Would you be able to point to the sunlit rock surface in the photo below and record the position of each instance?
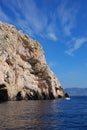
(24, 73)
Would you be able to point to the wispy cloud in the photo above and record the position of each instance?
(52, 29)
(3, 16)
(76, 45)
(67, 16)
(52, 36)
(36, 22)
(26, 14)
(34, 16)
(30, 18)
(52, 64)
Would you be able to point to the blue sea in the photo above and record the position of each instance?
(44, 115)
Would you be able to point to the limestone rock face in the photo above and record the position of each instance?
(23, 69)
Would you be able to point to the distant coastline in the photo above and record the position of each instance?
(76, 91)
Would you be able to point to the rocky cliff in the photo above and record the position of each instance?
(24, 73)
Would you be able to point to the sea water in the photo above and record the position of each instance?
(44, 115)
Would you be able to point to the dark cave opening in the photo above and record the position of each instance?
(2, 86)
(3, 95)
(19, 96)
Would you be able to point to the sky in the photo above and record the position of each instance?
(60, 26)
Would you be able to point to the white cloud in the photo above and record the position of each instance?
(70, 52)
(33, 15)
(27, 14)
(52, 64)
(51, 31)
(52, 36)
(3, 16)
(31, 19)
(77, 44)
(36, 22)
(67, 16)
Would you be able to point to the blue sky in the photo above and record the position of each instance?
(61, 28)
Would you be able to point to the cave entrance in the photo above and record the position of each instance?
(3, 93)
